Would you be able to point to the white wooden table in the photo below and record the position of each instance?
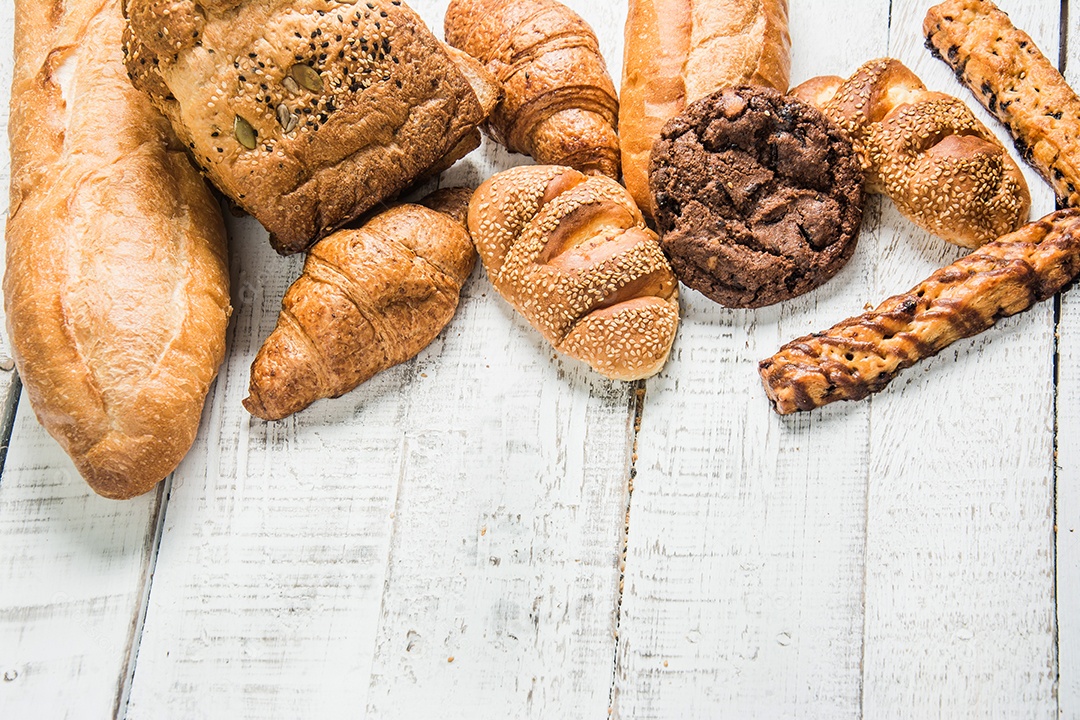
(491, 531)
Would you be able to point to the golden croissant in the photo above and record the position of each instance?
(560, 104)
(367, 300)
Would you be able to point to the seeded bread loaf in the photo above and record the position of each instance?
(116, 290)
(861, 355)
(1004, 69)
(572, 254)
(306, 114)
(679, 51)
(944, 169)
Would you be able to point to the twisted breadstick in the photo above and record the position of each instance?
(1014, 81)
(861, 355)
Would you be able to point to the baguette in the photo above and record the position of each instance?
(679, 51)
(116, 287)
(861, 355)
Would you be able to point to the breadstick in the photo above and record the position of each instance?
(1016, 83)
(861, 355)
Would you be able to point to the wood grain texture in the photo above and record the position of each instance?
(73, 569)
(274, 543)
(502, 581)
(743, 588)
(9, 385)
(1067, 516)
(959, 555)
(445, 541)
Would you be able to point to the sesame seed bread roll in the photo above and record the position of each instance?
(307, 113)
(116, 289)
(927, 151)
(1004, 69)
(863, 354)
(572, 254)
(679, 51)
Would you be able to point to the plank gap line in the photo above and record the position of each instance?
(637, 408)
(7, 416)
(1063, 62)
(138, 622)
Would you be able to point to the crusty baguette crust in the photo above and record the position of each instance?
(116, 288)
(861, 355)
(572, 254)
(1014, 81)
(944, 169)
(368, 299)
(679, 51)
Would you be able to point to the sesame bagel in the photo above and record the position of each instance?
(572, 254)
(944, 169)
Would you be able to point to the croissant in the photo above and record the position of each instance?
(927, 151)
(560, 105)
(861, 355)
(367, 300)
(572, 254)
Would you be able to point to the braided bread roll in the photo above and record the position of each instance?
(367, 300)
(572, 254)
(944, 169)
(560, 104)
(861, 355)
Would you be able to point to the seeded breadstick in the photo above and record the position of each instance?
(861, 355)
(1015, 82)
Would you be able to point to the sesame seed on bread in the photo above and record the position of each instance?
(305, 114)
(573, 255)
(943, 168)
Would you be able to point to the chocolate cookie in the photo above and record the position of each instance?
(759, 196)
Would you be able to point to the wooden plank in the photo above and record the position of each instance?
(743, 588)
(483, 459)
(502, 586)
(274, 543)
(959, 558)
(73, 570)
(1067, 518)
(9, 385)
